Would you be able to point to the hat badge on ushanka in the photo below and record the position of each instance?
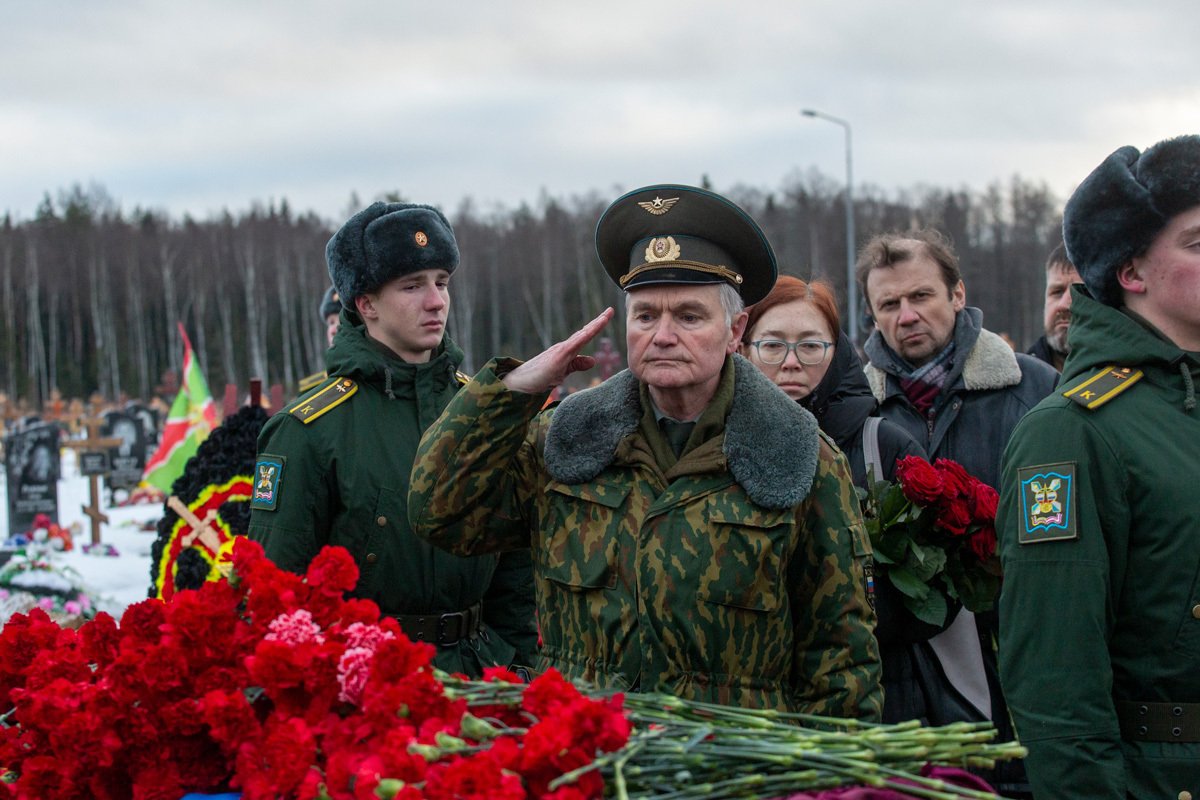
(386, 241)
(675, 234)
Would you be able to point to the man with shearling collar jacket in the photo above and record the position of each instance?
(692, 530)
(959, 390)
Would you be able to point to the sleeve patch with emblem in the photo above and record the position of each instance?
(268, 473)
(1047, 503)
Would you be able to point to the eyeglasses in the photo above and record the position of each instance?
(808, 351)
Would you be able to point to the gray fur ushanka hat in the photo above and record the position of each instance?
(386, 241)
(1120, 208)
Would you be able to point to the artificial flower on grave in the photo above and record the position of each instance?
(934, 532)
(31, 578)
(274, 685)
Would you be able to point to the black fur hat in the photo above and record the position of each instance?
(386, 241)
(331, 303)
(1122, 206)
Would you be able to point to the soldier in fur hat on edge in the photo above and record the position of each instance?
(1098, 527)
(333, 468)
(693, 531)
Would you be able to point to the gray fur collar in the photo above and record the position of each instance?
(771, 442)
(991, 364)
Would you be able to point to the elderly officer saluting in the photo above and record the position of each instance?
(1099, 531)
(693, 532)
(333, 469)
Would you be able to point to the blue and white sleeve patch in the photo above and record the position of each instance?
(268, 475)
(1047, 503)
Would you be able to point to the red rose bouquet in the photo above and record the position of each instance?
(935, 532)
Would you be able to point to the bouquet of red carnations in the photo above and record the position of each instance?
(935, 532)
(274, 685)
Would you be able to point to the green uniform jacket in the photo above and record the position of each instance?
(736, 575)
(1112, 614)
(343, 482)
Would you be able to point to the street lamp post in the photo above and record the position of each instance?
(851, 285)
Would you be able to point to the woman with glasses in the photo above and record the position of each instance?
(794, 335)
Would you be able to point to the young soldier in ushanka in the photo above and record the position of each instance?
(333, 468)
(1098, 524)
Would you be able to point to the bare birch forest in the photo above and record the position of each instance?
(90, 295)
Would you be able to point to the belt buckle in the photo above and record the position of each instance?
(442, 638)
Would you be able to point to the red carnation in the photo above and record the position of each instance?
(920, 482)
(332, 571)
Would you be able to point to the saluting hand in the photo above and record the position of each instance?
(551, 367)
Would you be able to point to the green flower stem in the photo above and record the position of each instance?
(686, 750)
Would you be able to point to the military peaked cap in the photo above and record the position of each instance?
(683, 234)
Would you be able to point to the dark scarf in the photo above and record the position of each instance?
(922, 385)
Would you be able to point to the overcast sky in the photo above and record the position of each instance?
(202, 106)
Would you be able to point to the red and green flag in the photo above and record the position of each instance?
(192, 417)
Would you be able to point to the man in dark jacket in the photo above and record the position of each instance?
(959, 390)
(333, 468)
(1052, 346)
(1098, 527)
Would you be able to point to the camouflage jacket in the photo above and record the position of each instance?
(341, 481)
(738, 575)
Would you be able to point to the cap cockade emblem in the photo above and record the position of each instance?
(421, 238)
(658, 206)
(662, 248)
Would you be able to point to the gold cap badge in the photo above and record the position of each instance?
(421, 238)
(662, 248)
(658, 206)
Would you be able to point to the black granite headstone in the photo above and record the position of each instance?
(127, 461)
(31, 464)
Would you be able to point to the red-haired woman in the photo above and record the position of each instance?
(794, 335)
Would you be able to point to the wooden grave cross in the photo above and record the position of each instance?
(92, 443)
(200, 528)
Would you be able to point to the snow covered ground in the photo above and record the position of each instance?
(115, 581)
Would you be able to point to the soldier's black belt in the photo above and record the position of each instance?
(1159, 722)
(442, 629)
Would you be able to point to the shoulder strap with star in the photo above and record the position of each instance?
(335, 392)
(1103, 386)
